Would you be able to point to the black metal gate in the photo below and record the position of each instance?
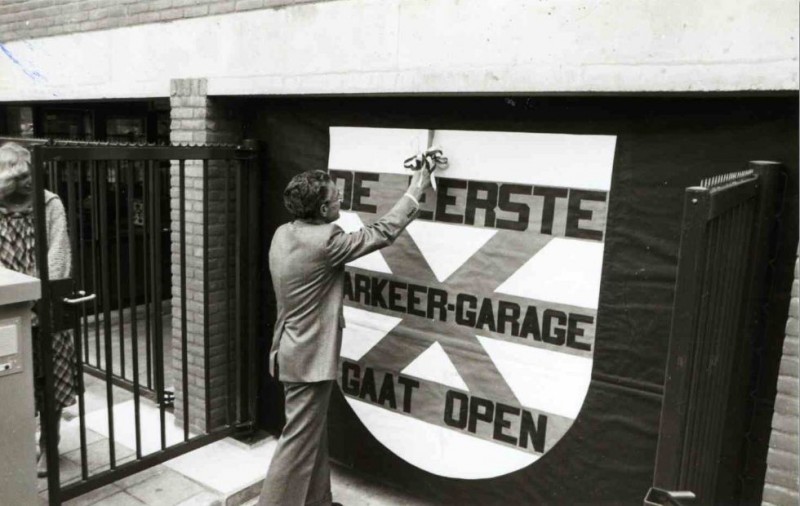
(725, 238)
(150, 227)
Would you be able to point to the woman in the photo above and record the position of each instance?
(17, 252)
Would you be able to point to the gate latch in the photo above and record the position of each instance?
(660, 497)
(82, 297)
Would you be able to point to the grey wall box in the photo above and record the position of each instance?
(17, 425)
(10, 346)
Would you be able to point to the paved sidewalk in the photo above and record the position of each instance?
(226, 472)
(161, 485)
(164, 487)
(157, 486)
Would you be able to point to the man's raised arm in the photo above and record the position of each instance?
(344, 247)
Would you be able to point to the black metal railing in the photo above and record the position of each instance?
(152, 227)
(724, 235)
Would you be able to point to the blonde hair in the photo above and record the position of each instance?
(14, 158)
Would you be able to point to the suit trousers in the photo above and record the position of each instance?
(300, 473)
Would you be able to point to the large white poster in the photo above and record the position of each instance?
(469, 342)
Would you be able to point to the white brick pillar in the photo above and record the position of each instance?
(782, 481)
(198, 119)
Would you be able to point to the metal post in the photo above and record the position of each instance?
(749, 361)
(691, 266)
(184, 333)
(105, 282)
(230, 370)
(130, 183)
(79, 263)
(47, 415)
(206, 289)
(77, 267)
(242, 377)
(96, 271)
(147, 266)
(118, 235)
(254, 280)
(158, 334)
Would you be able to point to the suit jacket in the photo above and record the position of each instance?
(307, 262)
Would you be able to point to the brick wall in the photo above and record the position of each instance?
(199, 119)
(27, 19)
(782, 481)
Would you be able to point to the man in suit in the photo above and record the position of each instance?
(306, 260)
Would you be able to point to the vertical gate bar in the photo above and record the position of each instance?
(106, 273)
(734, 321)
(253, 185)
(82, 256)
(727, 471)
(51, 178)
(230, 370)
(157, 302)
(729, 320)
(758, 279)
(716, 400)
(132, 285)
(47, 414)
(184, 334)
(147, 174)
(695, 420)
(737, 320)
(72, 218)
(700, 351)
(245, 285)
(678, 367)
(240, 358)
(695, 356)
(710, 372)
(714, 355)
(120, 305)
(705, 472)
(206, 314)
(151, 278)
(96, 260)
(72, 210)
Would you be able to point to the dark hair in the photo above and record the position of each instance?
(305, 193)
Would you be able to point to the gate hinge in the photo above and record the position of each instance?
(168, 397)
(660, 497)
(244, 427)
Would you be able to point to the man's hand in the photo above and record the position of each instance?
(421, 179)
(423, 165)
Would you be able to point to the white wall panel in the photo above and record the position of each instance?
(424, 46)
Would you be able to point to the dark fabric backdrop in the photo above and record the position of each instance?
(664, 144)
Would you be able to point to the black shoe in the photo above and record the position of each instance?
(336, 504)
